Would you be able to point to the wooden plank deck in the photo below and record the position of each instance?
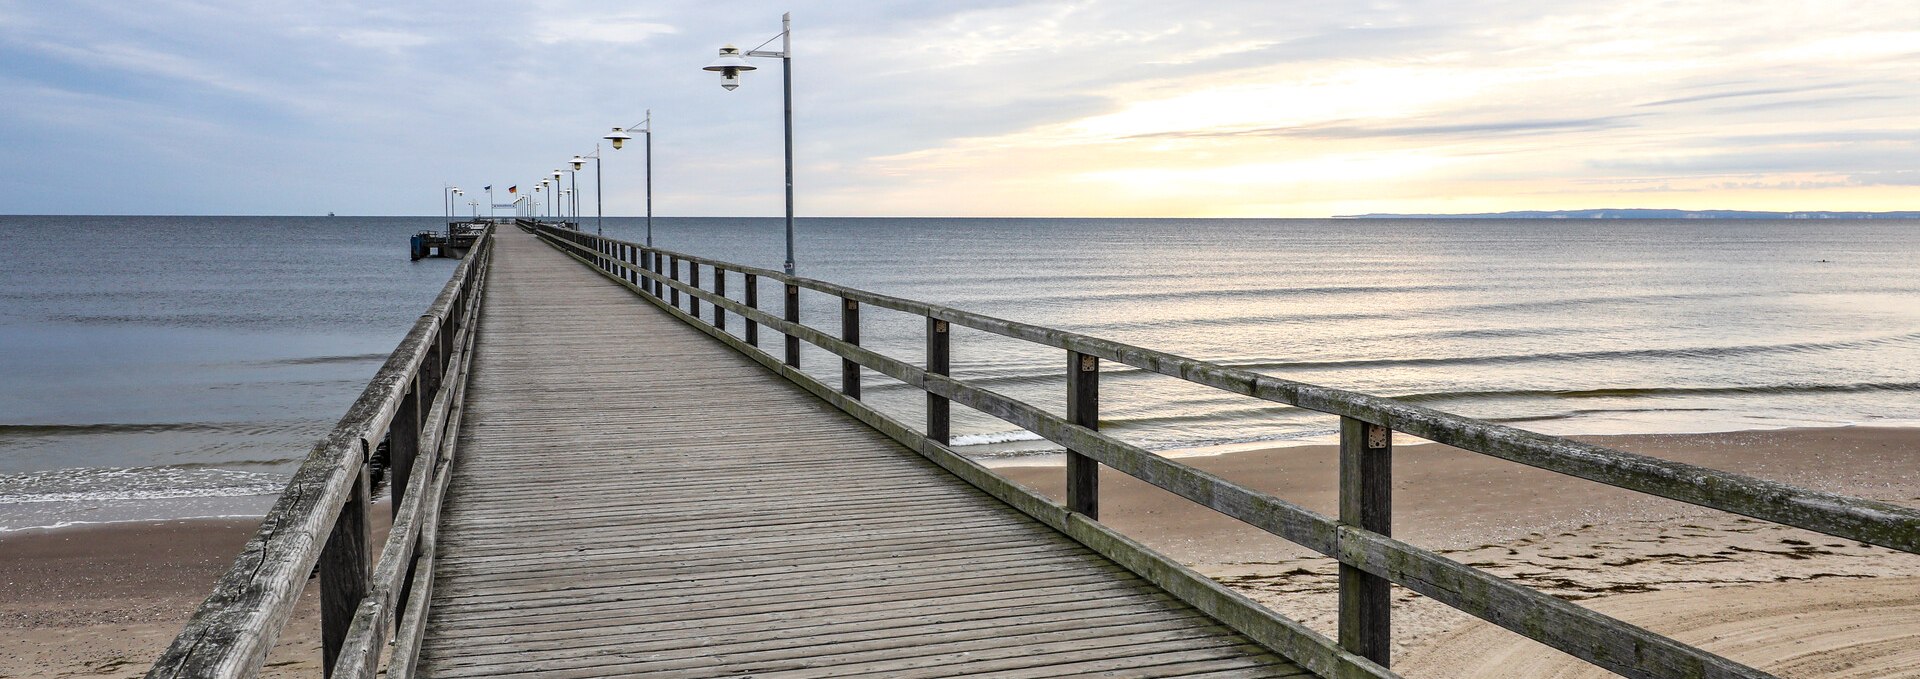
(634, 498)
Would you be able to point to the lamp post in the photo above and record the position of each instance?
(447, 192)
(573, 195)
(619, 137)
(732, 62)
(580, 162)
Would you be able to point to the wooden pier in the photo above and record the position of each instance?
(598, 472)
(608, 515)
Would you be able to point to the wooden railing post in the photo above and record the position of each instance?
(656, 272)
(429, 375)
(850, 333)
(443, 342)
(403, 448)
(939, 424)
(719, 288)
(1366, 502)
(626, 257)
(752, 300)
(793, 316)
(693, 279)
(403, 442)
(646, 264)
(344, 570)
(1083, 408)
(673, 273)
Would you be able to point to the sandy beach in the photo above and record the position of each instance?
(102, 601)
(1793, 602)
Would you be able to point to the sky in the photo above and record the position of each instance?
(1142, 108)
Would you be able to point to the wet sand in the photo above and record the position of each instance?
(102, 601)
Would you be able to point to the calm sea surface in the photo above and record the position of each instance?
(181, 366)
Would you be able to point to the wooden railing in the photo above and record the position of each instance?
(414, 404)
(1370, 559)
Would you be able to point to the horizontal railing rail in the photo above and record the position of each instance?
(321, 517)
(1358, 538)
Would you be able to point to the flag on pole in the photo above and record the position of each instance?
(488, 187)
(513, 189)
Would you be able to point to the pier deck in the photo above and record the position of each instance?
(633, 497)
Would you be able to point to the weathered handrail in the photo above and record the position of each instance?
(321, 516)
(1369, 558)
(405, 572)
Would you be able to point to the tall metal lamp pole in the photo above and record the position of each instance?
(732, 62)
(580, 162)
(446, 196)
(619, 138)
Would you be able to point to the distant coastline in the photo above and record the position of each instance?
(1644, 213)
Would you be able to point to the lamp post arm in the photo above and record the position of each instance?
(785, 37)
(645, 126)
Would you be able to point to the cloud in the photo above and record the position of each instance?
(1807, 104)
(1760, 92)
(925, 107)
(386, 39)
(1887, 178)
(1782, 185)
(1839, 159)
(1347, 130)
(598, 29)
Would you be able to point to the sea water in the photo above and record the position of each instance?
(182, 366)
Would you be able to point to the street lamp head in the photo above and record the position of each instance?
(730, 65)
(556, 176)
(618, 136)
(578, 162)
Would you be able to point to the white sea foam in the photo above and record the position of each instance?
(96, 484)
(996, 437)
(57, 525)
